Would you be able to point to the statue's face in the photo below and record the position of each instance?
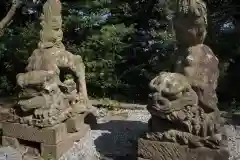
(171, 96)
(160, 103)
(190, 30)
(162, 107)
(170, 87)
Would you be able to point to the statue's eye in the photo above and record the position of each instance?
(160, 102)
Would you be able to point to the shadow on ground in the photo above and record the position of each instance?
(117, 139)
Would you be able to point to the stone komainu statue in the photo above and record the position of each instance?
(186, 101)
(53, 110)
(196, 61)
(53, 88)
(185, 121)
(180, 128)
(177, 116)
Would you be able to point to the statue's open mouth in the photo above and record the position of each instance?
(161, 111)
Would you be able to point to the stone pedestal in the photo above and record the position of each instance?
(156, 150)
(4, 115)
(52, 142)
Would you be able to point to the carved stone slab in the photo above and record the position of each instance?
(52, 142)
(51, 135)
(59, 149)
(156, 150)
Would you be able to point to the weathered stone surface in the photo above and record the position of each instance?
(177, 115)
(53, 91)
(196, 61)
(53, 87)
(76, 123)
(156, 150)
(56, 151)
(200, 66)
(190, 22)
(53, 144)
(4, 114)
(51, 135)
(183, 105)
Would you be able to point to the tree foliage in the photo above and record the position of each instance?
(124, 43)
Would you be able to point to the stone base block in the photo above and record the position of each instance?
(155, 150)
(76, 123)
(56, 151)
(52, 142)
(4, 115)
(50, 135)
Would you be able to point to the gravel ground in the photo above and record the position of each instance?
(8, 153)
(82, 150)
(233, 141)
(116, 135)
(113, 139)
